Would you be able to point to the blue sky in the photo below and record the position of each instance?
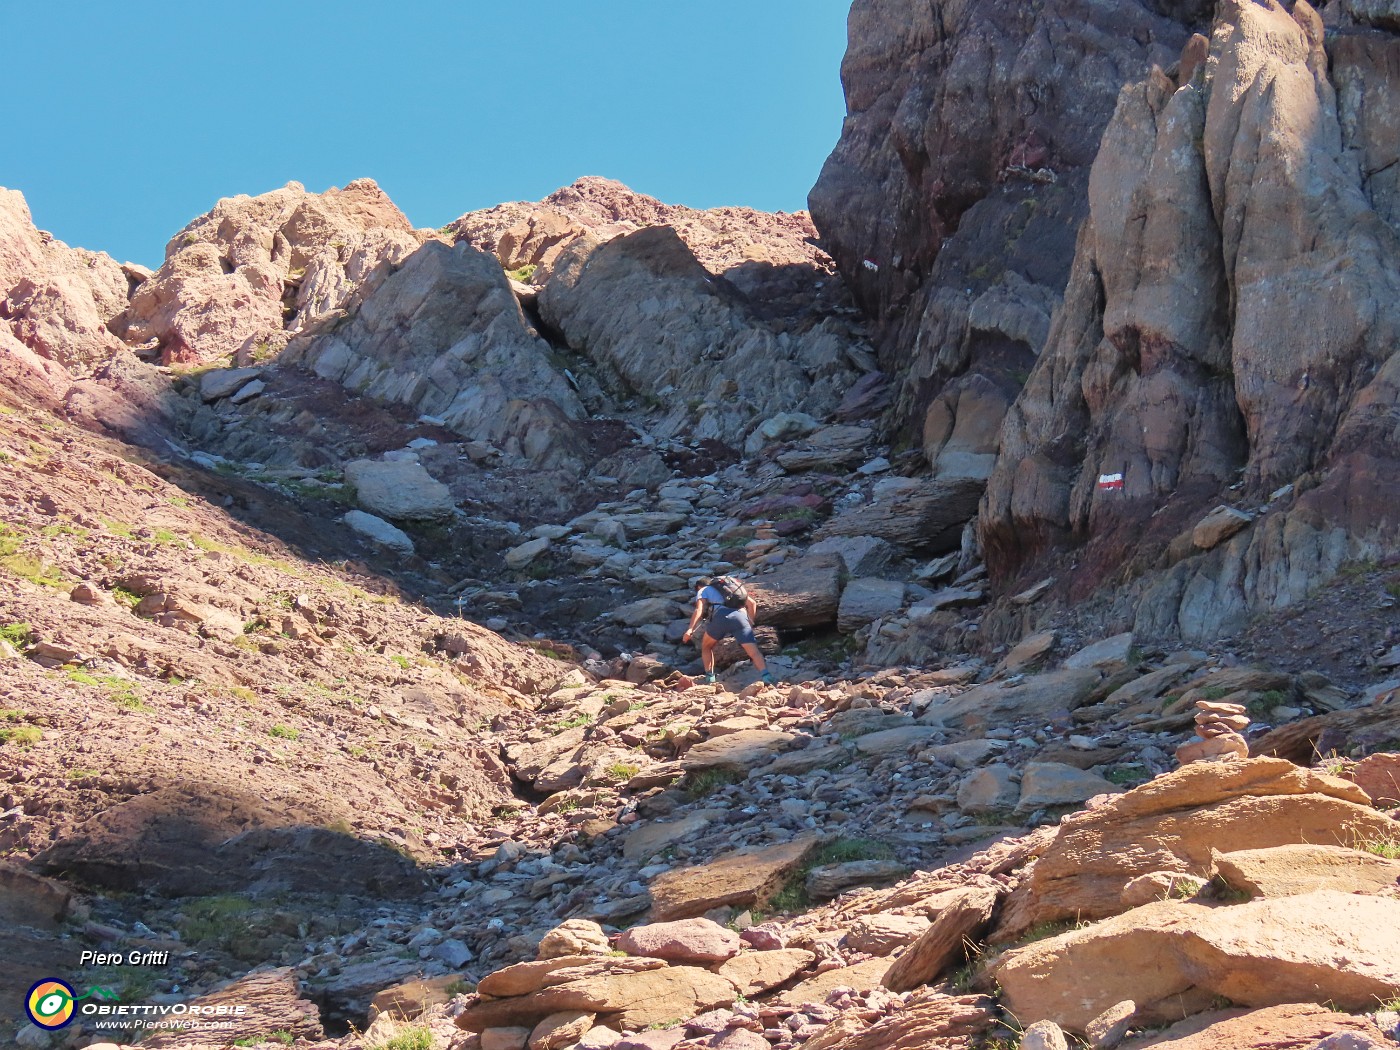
(125, 121)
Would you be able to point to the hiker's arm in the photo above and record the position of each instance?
(751, 607)
(694, 619)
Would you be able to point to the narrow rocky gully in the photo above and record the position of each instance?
(345, 568)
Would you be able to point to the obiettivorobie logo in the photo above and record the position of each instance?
(51, 1002)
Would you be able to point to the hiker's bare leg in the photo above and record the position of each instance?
(760, 665)
(707, 653)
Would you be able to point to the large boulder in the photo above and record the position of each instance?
(399, 490)
(866, 600)
(443, 333)
(926, 518)
(805, 592)
(1173, 824)
(862, 555)
(1258, 954)
(698, 941)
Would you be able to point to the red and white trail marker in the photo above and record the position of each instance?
(1110, 482)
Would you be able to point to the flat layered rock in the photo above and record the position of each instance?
(754, 973)
(627, 998)
(219, 383)
(883, 934)
(862, 977)
(1058, 784)
(1272, 1028)
(524, 978)
(1286, 871)
(647, 839)
(739, 752)
(1218, 526)
(272, 1001)
(829, 880)
(1108, 651)
(929, 1022)
(894, 741)
(1262, 953)
(813, 756)
(962, 915)
(1029, 651)
(801, 593)
(928, 516)
(1173, 824)
(1040, 696)
(743, 879)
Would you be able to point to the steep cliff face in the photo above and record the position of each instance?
(1223, 326)
(950, 202)
(1230, 323)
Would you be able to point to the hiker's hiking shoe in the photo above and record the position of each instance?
(767, 677)
(710, 678)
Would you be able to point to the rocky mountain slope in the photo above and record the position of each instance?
(344, 568)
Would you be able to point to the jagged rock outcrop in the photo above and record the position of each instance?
(1185, 355)
(950, 202)
(658, 325)
(443, 333)
(741, 244)
(56, 300)
(238, 277)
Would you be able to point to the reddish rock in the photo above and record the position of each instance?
(754, 973)
(959, 918)
(743, 878)
(685, 941)
(1172, 824)
(1263, 953)
(1274, 1027)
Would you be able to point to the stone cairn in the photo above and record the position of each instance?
(1219, 728)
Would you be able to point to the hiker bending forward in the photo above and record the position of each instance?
(731, 612)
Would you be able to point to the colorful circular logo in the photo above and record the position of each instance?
(50, 1003)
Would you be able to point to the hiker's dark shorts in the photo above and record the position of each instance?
(731, 623)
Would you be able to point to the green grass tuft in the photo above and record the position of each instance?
(417, 1038)
(20, 635)
(21, 736)
(575, 721)
(708, 781)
